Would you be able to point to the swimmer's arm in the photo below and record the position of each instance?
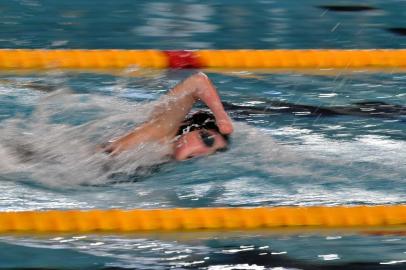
(167, 117)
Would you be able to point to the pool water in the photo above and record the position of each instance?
(277, 159)
(51, 124)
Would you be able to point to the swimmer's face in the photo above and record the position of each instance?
(198, 143)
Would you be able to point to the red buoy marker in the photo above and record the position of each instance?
(183, 59)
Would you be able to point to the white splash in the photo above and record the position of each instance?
(57, 147)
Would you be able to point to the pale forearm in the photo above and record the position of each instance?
(165, 120)
(176, 104)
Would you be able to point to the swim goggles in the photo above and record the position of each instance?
(206, 137)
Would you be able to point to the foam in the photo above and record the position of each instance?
(54, 150)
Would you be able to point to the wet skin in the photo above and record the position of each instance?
(198, 143)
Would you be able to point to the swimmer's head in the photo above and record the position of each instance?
(199, 135)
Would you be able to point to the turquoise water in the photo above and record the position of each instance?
(190, 24)
(275, 159)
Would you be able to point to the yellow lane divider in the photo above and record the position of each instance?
(187, 219)
(281, 59)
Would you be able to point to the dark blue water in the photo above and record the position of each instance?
(193, 25)
(275, 159)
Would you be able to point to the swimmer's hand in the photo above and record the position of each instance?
(225, 126)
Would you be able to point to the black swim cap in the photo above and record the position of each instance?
(200, 120)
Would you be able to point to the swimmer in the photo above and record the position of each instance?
(190, 135)
(204, 133)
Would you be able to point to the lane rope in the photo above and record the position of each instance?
(290, 59)
(190, 219)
